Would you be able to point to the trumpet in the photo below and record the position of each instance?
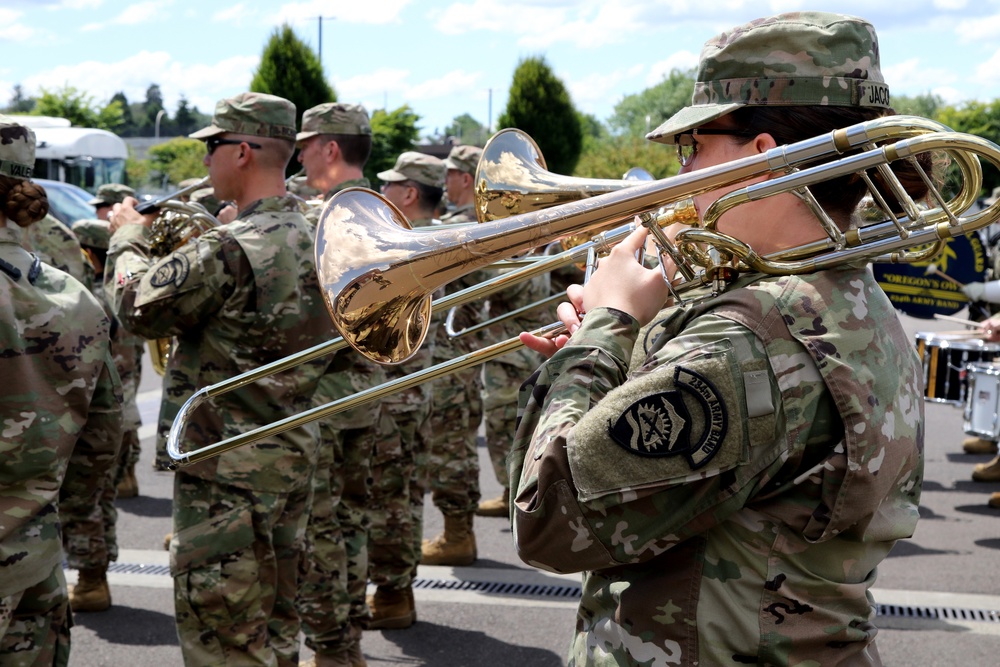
(377, 278)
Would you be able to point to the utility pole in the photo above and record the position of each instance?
(319, 22)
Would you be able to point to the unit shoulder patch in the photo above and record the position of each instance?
(174, 271)
(660, 424)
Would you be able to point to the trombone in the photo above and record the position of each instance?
(377, 278)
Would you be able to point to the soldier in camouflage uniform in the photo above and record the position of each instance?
(236, 297)
(414, 186)
(56, 245)
(89, 533)
(452, 468)
(729, 484)
(107, 196)
(60, 423)
(334, 145)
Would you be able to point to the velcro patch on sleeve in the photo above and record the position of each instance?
(683, 420)
(180, 272)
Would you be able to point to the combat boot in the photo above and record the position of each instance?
(976, 445)
(391, 608)
(495, 506)
(129, 486)
(166, 541)
(91, 592)
(455, 546)
(987, 472)
(355, 656)
(334, 659)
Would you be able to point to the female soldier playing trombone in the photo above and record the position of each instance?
(729, 483)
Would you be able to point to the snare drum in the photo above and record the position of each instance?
(944, 357)
(982, 407)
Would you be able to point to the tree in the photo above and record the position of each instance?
(288, 68)
(981, 119)
(467, 131)
(178, 158)
(927, 105)
(78, 108)
(128, 128)
(392, 133)
(639, 113)
(184, 120)
(612, 156)
(151, 109)
(19, 102)
(539, 104)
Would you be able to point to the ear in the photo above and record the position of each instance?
(332, 151)
(764, 142)
(244, 156)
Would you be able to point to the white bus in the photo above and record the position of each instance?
(85, 157)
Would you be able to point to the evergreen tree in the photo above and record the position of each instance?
(178, 158)
(151, 109)
(392, 133)
(539, 104)
(288, 68)
(128, 128)
(184, 121)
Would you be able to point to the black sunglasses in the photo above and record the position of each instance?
(214, 142)
(687, 146)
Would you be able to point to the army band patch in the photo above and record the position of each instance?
(661, 425)
(174, 271)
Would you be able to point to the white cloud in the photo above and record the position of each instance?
(596, 88)
(237, 14)
(680, 60)
(372, 84)
(988, 72)
(912, 77)
(371, 12)
(202, 84)
(11, 29)
(141, 12)
(984, 29)
(79, 4)
(456, 82)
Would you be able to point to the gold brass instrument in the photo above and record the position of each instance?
(377, 277)
(178, 222)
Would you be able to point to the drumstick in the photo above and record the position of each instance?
(959, 320)
(933, 269)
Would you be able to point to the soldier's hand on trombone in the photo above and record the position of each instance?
(125, 214)
(620, 282)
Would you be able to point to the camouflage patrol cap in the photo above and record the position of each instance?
(93, 233)
(254, 114)
(206, 197)
(111, 193)
(464, 158)
(793, 59)
(334, 118)
(17, 149)
(419, 167)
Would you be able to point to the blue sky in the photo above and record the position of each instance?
(449, 57)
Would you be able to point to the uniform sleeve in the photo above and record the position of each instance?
(160, 297)
(613, 469)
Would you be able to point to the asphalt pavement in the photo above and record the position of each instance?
(938, 593)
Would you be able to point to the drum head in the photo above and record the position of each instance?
(920, 291)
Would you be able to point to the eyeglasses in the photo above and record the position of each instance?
(687, 145)
(214, 142)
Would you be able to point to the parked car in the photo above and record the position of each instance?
(67, 201)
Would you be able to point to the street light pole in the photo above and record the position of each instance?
(159, 115)
(319, 22)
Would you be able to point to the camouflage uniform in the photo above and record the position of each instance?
(60, 428)
(729, 488)
(334, 579)
(239, 296)
(90, 538)
(57, 245)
